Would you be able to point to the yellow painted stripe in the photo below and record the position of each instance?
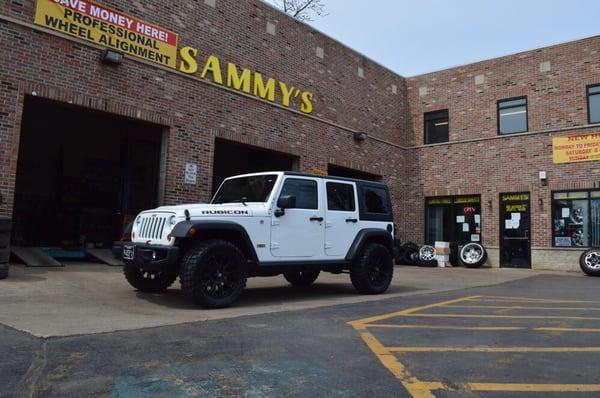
(531, 299)
(519, 307)
(415, 387)
(408, 311)
(442, 327)
(511, 387)
(493, 349)
(582, 330)
(584, 318)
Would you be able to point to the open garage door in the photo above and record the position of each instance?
(232, 158)
(339, 171)
(81, 175)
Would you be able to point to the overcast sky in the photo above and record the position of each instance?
(419, 36)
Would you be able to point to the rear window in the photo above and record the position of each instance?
(375, 200)
(340, 197)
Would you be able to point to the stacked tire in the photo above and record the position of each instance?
(5, 227)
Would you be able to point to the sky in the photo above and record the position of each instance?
(420, 36)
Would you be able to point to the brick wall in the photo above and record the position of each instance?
(477, 160)
(195, 113)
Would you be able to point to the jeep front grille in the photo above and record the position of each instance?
(152, 227)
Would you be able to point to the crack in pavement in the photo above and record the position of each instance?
(25, 388)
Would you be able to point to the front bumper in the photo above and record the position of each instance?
(150, 257)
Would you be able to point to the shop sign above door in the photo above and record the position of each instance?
(101, 25)
(576, 148)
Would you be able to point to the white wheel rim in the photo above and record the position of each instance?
(471, 254)
(592, 260)
(427, 253)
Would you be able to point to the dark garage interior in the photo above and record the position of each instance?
(232, 158)
(81, 175)
(339, 171)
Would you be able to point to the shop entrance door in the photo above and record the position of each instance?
(515, 230)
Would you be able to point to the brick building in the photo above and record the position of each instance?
(213, 88)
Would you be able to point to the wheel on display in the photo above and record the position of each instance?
(409, 254)
(427, 256)
(214, 273)
(472, 255)
(589, 261)
(373, 270)
(301, 278)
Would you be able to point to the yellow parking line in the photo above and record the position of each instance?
(512, 387)
(443, 327)
(584, 318)
(407, 311)
(493, 349)
(530, 299)
(583, 330)
(520, 307)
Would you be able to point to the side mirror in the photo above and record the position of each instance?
(285, 202)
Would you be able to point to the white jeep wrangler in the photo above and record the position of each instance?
(265, 224)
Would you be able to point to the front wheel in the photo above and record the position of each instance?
(301, 278)
(590, 262)
(373, 270)
(214, 273)
(148, 281)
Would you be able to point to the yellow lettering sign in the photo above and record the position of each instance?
(576, 148)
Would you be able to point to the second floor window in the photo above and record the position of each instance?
(436, 127)
(593, 94)
(512, 116)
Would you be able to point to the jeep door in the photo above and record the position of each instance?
(341, 217)
(299, 232)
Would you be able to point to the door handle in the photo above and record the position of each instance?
(354, 220)
(319, 219)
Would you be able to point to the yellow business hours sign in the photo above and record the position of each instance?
(576, 148)
(106, 27)
(109, 28)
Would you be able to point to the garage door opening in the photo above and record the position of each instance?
(232, 158)
(82, 175)
(339, 171)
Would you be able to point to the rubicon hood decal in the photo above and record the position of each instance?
(225, 212)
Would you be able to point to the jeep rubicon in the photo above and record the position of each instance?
(265, 224)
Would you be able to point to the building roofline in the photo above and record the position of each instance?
(513, 54)
(346, 46)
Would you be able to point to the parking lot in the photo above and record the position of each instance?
(439, 333)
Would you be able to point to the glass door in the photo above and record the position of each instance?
(515, 230)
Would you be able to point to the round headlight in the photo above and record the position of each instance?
(138, 221)
(172, 221)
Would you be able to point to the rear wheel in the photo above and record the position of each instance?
(373, 270)
(590, 262)
(301, 278)
(214, 273)
(148, 281)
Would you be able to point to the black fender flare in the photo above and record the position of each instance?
(364, 235)
(182, 230)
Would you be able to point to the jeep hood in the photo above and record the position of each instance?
(213, 210)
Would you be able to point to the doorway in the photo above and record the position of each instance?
(340, 171)
(515, 230)
(82, 175)
(232, 158)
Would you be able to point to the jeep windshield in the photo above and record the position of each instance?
(246, 189)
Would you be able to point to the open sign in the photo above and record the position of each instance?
(469, 209)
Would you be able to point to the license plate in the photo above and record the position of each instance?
(128, 253)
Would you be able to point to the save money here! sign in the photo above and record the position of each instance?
(109, 28)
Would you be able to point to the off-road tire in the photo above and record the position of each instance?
(589, 261)
(4, 255)
(210, 266)
(147, 281)
(472, 262)
(5, 224)
(372, 271)
(301, 278)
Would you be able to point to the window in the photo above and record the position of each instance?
(576, 218)
(436, 127)
(512, 116)
(305, 192)
(375, 200)
(340, 197)
(593, 95)
(454, 219)
(246, 189)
